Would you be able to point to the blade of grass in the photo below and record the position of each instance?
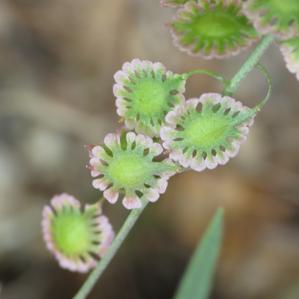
(198, 278)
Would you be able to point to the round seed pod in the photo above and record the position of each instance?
(280, 17)
(77, 238)
(212, 29)
(126, 166)
(145, 93)
(206, 131)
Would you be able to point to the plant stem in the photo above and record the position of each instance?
(260, 105)
(104, 262)
(205, 72)
(249, 64)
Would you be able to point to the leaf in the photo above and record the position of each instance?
(198, 278)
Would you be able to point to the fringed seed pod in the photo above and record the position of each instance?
(212, 29)
(126, 165)
(76, 238)
(145, 93)
(280, 17)
(206, 131)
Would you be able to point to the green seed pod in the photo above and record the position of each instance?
(212, 29)
(75, 237)
(280, 17)
(145, 93)
(206, 131)
(126, 166)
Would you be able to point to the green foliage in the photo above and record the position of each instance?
(197, 281)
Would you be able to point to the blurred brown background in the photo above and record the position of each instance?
(57, 60)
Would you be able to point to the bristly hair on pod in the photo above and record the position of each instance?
(279, 17)
(127, 165)
(206, 131)
(77, 238)
(174, 3)
(290, 52)
(212, 29)
(145, 93)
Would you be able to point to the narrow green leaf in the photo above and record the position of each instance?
(198, 278)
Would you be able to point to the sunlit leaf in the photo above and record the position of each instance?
(198, 278)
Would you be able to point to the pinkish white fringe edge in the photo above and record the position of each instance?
(97, 154)
(291, 62)
(168, 133)
(65, 262)
(214, 54)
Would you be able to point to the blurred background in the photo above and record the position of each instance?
(57, 60)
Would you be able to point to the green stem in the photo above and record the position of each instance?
(205, 72)
(249, 64)
(104, 262)
(260, 105)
